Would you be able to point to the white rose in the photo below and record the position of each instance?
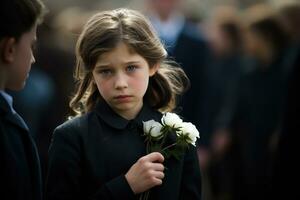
(171, 120)
(191, 131)
(152, 127)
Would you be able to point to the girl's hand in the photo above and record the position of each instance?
(146, 173)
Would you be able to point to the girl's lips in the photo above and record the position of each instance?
(123, 98)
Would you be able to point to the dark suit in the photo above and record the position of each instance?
(20, 174)
(256, 119)
(286, 164)
(90, 155)
(191, 52)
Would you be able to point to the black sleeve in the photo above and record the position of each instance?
(4, 177)
(191, 176)
(64, 177)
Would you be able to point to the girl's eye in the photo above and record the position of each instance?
(105, 72)
(131, 68)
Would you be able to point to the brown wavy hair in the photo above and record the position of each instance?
(102, 33)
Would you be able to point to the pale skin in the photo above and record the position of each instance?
(16, 60)
(122, 77)
(146, 173)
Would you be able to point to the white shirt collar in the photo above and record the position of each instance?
(168, 29)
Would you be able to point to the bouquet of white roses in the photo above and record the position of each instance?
(170, 137)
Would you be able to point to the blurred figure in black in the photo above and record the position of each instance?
(185, 45)
(223, 76)
(188, 47)
(290, 14)
(261, 96)
(286, 162)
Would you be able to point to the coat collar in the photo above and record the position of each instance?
(114, 120)
(8, 114)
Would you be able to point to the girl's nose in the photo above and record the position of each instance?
(121, 82)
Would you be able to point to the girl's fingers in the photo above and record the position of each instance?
(155, 157)
(157, 167)
(159, 175)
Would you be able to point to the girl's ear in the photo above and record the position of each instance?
(93, 80)
(8, 46)
(153, 69)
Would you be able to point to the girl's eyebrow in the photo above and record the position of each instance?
(102, 65)
(132, 62)
(105, 65)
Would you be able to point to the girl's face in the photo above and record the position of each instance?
(122, 77)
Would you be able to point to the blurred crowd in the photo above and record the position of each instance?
(243, 64)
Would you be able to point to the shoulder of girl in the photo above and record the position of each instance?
(74, 124)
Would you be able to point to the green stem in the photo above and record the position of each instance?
(147, 147)
(165, 133)
(167, 147)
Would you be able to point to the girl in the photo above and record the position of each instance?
(123, 80)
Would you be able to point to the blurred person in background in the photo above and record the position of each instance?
(20, 173)
(290, 15)
(187, 46)
(286, 161)
(225, 39)
(258, 111)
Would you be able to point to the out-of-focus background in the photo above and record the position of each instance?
(239, 55)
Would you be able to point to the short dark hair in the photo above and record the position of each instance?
(272, 31)
(19, 16)
(233, 33)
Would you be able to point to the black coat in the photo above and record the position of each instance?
(20, 174)
(90, 155)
